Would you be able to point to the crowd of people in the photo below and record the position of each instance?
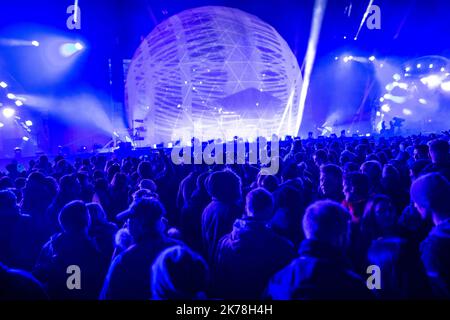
(119, 227)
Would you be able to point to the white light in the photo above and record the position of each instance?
(432, 81)
(422, 101)
(431, 66)
(442, 69)
(372, 58)
(336, 58)
(381, 65)
(170, 145)
(403, 85)
(419, 66)
(29, 123)
(396, 77)
(367, 134)
(381, 99)
(445, 86)
(345, 59)
(350, 58)
(345, 37)
(407, 112)
(407, 69)
(3, 84)
(1, 125)
(11, 96)
(387, 96)
(35, 43)
(385, 108)
(19, 103)
(378, 114)
(79, 46)
(8, 112)
(25, 138)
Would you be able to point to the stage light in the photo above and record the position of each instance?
(381, 65)
(407, 69)
(432, 81)
(385, 108)
(19, 103)
(381, 99)
(3, 84)
(1, 125)
(29, 123)
(442, 69)
(345, 37)
(422, 101)
(35, 43)
(170, 145)
(69, 49)
(431, 66)
(336, 58)
(372, 58)
(11, 96)
(407, 112)
(345, 59)
(403, 85)
(79, 46)
(378, 114)
(25, 139)
(396, 77)
(419, 66)
(445, 86)
(8, 112)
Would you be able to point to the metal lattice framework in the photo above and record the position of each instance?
(213, 72)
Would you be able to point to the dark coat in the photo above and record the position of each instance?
(320, 272)
(247, 258)
(435, 251)
(129, 275)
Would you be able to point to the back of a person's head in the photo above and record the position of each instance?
(321, 155)
(431, 193)
(96, 212)
(287, 196)
(331, 170)
(224, 186)
(69, 184)
(259, 204)
(179, 273)
(326, 221)
(6, 183)
(148, 184)
(372, 169)
(146, 214)
(439, 149)
(8, 203)
(268, 182)
(358, 182)
(417, 167)
(145, 170)
(119, 180)
(74, 217)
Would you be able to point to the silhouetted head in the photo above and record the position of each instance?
(330, 180)
(259, 204)
(179, 274)
(224, 186)
(438, 150)
(327, 222)
(431, 194)
(74, 217)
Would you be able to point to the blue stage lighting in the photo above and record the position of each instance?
(8, 112)
(69, 49)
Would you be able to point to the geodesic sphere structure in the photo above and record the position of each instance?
(213, 72)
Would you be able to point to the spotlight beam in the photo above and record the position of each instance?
(366, 14)
(316, 25)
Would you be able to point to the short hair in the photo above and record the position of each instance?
(321, 155)
(74, 216)
(439, 147)
(359, 181)
(224, 186)
(325, 221)
(372, 168)
(259, 203)
(169, 280)
(432, 192)
(332, 170)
